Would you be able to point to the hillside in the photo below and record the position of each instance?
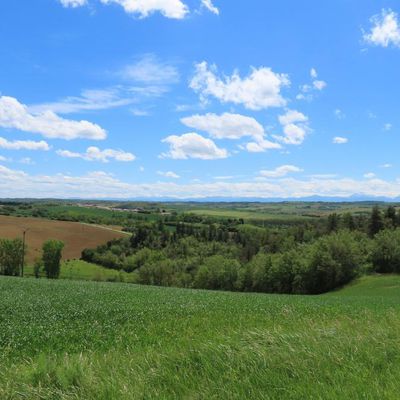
(68, 340)
(76, 236)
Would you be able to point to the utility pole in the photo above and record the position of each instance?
(23, 251)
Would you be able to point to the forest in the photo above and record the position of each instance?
(303, 258)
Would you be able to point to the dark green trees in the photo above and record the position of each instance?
(11, 256)
(52, 252)
(376, 222)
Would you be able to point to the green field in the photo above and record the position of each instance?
(81, 270)
(86, 340)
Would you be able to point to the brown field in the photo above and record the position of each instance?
(75, 235)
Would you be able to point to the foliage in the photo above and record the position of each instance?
(52, 253)
(11, 256)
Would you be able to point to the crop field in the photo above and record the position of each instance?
(85, 340)
(76, 236)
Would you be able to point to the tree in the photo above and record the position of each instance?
(375, 222)
(52, 253)
(390, 216)
(11, 256)
(386, 251)
(333, 222)
(37, 267)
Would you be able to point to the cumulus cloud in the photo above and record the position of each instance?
(95, 154)
(295, 127)
(15, 115)
(175, 9)
(73, 3)
(340, 140)
(261, 89)
(23, 145)
(210, 6)
(232, 126)
(280, 172)
(369, 175)
(168, 174)
(193, 145)
(225, 126)
(385, 30)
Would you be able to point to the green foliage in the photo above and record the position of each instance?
(52, 253)
(386, 251)
(11, 256)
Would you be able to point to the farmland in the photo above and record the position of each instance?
(68, 340)
(76, 236)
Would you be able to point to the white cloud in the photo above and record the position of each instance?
(313, 73)
(143, 8)
(385, 30)
(73, 3)
(261, 146)
(387, 165)
(280, 172)
(95, 154)
(226, 126)
(210, 6)
(27, 161)
(387, 127)
(23, 145)
(15, 115)
(94, 99)
(168, 174)
(339, 140)
(232, 126)
(295, 127)
(319, 85)
(150, 70)
(369, 175)
(261, 89)
(14, 183)
(193, 145)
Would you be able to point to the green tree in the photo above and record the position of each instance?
(375, 222)
(386, 251)
(52, 253)
(11, 256)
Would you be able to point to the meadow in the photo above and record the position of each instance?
(76, 236)
(86, 340)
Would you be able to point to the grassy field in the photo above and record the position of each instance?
(82, 270)
(76, 236)
(84, 340)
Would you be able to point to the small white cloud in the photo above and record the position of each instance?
(23, 145)
(262, 145)
(175, 9)
(387, 165)
(369, 175)
(168, 174)
(319, 85)
(385, 30)
(73, 3)
(95, 154)
(193, 145)
(387, 127)
(339, 140)
(15, 115)
(280, 172)
(210, 6)
(295, 127)
(313, 73)
(141, 169)
(261, 89)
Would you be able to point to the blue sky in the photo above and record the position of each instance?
(199, 98)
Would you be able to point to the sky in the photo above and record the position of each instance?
(195, 99)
